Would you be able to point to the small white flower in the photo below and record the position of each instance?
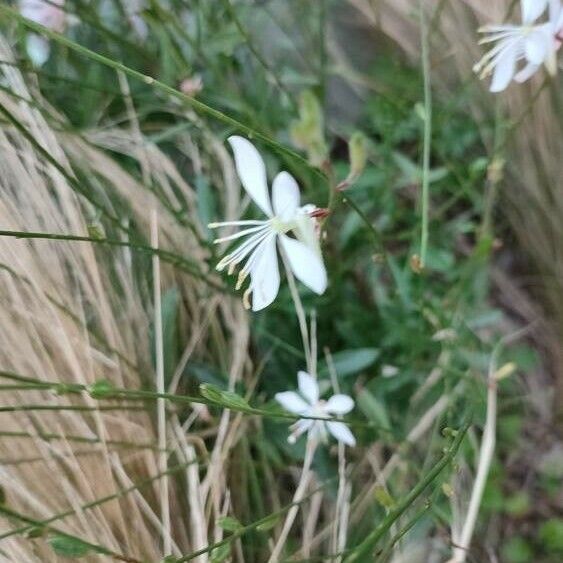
(308, 403)
(259, 250)
(48, 14)
(534, 43)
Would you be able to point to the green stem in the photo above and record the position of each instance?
(94, 547)
(49, 436)
(113, 393)
(362, 552)
(95, 503)
(165, 255)
(427, 137)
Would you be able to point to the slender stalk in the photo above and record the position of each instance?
(160, 402)
(99, 549)
(166, 255)
(301, 317)
(297, 497)
(365, 548)
(98, 502)
(114, 393)
(427, 136)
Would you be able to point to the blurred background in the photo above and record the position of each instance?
(88, 150)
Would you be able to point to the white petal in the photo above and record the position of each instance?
(38, 49)
(292, 402)
(527, 72)
(537, 44)
(306, 264)
(252, 172)
(342, 433)
(265, 275)
(532, 10)
(285, 196)
(339, 404)
(299, 428)
(505, 69)
(308, 387)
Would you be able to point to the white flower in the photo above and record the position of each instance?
(308, 403)
(534, 43)
(47, 14)
(260, 247)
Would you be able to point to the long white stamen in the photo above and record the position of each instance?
(243, 250)
(235, 223)
(242, 233)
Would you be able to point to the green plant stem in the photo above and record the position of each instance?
(362, 552)
(427, 136)
(245, 529)
(401, 533)
(8, 512)
(375, 234)
(198, 106)
(82, 408)
(95, 503)
(169, 257)
(49, 436)
(113, 393)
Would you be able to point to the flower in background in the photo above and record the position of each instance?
(534, 43)
(284, 215)
(192, 86)
(48, 14)
(308, 403)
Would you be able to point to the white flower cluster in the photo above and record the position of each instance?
(521, 50)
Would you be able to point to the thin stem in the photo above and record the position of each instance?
(98, 502)
(166, 255)
(114, 393)
(99, 549)
(427, 136)
(301, 317)
(365, 548)
(297, 497)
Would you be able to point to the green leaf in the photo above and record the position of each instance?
(229, 524)
(68, 546)
(224, 398)
(220, 553)
(373, 409)
(350, 362)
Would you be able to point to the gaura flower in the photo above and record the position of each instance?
(48, 14)
(308, 403)
(534, 43)
(259, 251)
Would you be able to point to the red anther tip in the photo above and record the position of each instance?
(320, 213)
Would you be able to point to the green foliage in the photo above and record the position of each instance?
(551, 534)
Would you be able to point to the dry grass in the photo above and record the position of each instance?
(77, 312)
